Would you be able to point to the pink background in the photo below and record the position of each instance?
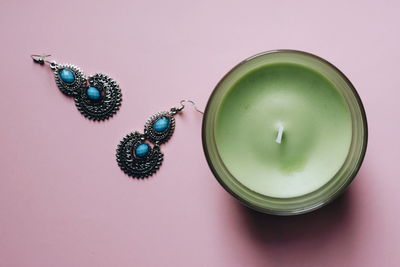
(63, 200)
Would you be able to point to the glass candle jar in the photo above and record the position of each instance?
(284, 132)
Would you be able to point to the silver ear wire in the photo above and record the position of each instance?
(40, 59)
(182, 102)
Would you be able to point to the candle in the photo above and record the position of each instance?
(285, 132)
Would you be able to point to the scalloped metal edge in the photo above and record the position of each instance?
(123, 163)
(118, 99)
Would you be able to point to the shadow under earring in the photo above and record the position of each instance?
(97, 97)
(139, 154)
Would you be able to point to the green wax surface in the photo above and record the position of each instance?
(316, 130)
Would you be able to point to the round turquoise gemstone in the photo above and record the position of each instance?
(93, 93)
(161, 124)
(67, 75)
(142, 150)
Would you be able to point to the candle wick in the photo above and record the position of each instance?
(279, 136)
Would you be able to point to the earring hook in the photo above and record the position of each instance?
(182, 102)
(40, 59)
(175, 110)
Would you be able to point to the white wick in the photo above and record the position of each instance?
(279, 136)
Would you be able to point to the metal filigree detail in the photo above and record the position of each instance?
(134, 166)
(159, 137)
(139, 160)
(69, 89)
(105, 107)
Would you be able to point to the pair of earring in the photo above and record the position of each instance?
(98, 98)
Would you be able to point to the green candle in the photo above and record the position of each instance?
(284, 132)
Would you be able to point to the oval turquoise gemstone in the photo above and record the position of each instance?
(142, 150)
(93, 93)
(67, 75)
(161, 124)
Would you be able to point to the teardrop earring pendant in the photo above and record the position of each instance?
(97, 97)
(138, 154)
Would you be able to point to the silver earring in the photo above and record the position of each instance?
(97, 97)
(139, 154)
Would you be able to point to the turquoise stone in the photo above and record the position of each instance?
(67, 75)
(93, 93)
(161, 124)
(142, 150)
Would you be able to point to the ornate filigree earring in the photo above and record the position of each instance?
(138, 154)
(97, 97)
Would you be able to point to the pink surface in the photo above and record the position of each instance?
(63, 199)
